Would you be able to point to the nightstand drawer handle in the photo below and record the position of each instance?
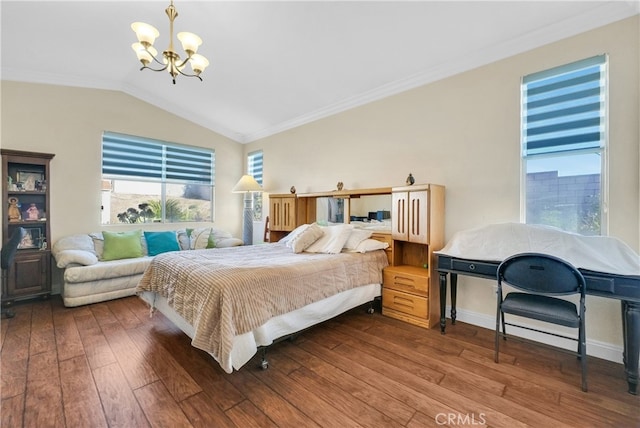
(472, 267)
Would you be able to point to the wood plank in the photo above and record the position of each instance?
(391, 407)
(201, 366)
(82, 405)
(132, 362)
(246, 414)
(95, 345)
(12, 411)
(203, 412)
(121, 408)
(159, 406)
(43, 400)
(309, 402)
(42, 330)
(176, 379)
(279, 410)
(68, 342)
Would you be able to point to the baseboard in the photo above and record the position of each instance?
(606, 351)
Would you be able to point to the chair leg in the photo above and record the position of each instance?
(497, 341)
(582, 347)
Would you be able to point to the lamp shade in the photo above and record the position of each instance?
(146, 33)
(190, 42)
(247, 184)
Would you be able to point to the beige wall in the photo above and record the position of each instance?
(463, 132)
(69, 122)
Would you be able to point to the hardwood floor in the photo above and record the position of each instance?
(110, 365)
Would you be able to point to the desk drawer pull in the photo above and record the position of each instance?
(472, 267)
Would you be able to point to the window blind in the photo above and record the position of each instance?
(254, 167)
(127, 156)
(563, 108)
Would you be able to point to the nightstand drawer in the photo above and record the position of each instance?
(403, 302)
(407, 278)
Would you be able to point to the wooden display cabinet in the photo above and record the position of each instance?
(410, 289)
(25, 195)
(283, 215)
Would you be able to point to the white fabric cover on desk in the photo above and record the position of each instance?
(496, 242)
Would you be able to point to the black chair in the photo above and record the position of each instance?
(540, 277)
(7, 255)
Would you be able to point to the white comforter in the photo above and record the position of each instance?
(496, 242)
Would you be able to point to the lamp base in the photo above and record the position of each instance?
(247, 227)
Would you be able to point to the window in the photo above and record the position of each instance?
(146, 180)
(564, 120)
(254, 169)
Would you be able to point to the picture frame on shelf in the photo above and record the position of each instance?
(30, 180)
(32, 238)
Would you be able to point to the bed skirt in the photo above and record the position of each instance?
(246, 345)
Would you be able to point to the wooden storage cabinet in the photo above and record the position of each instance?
(282, 215)
(410, 220)
(25, 195)
(410, 288)
(30, 275)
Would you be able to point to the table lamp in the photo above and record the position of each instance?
(247, 185)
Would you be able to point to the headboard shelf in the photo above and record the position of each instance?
(346, 193)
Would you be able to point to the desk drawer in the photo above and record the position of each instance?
(477, 268)
(406, 280)
(404, 302)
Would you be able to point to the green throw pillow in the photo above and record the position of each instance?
(122, 245)
(161, 242)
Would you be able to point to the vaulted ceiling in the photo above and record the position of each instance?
(276, 65)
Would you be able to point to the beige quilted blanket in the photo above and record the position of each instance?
(230, 291)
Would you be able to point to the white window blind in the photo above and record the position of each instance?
(564, 107)
(127, 156)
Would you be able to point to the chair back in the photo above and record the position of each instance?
(541, 273)
(9, 249)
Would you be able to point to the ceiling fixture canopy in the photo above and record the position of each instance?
(171, 61)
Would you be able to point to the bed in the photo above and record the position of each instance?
(232, 301)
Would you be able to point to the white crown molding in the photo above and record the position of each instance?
(594, 18)
(78, 81)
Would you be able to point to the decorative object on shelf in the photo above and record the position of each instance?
(340, 185)
(293, 190)
(410, 180)
(29, 179)
(32, 239)
(14, 209)
(32, 213)
(247, 185)
(170, 61)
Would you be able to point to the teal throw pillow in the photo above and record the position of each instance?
(122, 245)
(161, 242)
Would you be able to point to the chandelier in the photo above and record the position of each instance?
(171, 61)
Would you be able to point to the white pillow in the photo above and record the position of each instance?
(303, 240)
(200, 238)
(293, 234)
(356, 237)
(333, 239)
(65, 258)
(368, 245)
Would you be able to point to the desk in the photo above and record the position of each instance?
(620, 287)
